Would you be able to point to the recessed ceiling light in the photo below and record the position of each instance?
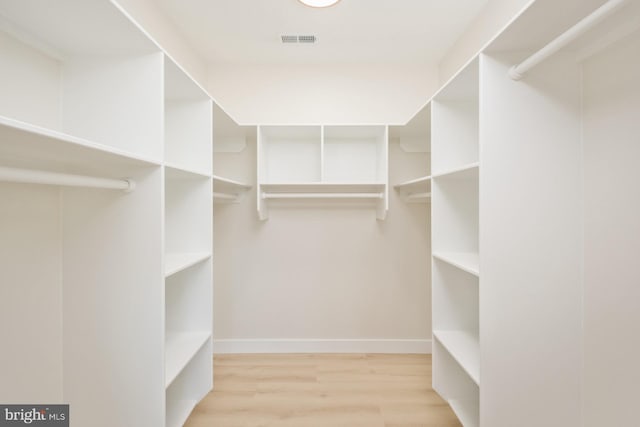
(319, 3)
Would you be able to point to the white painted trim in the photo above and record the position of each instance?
(399, 346)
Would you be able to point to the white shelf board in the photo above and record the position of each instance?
(465, 261)
(415, 191)
(179, 413)
(180, 347)
(176, 262)
(220, 181)
(464, 348)
(178, 172)
(316, 187)
(467, 411)
(421, 185)
(468, 171)
(38, 147)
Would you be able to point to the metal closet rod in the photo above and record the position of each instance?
(30, 176)
(322, 195)
(517, 72)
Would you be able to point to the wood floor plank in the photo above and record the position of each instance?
(322, 390)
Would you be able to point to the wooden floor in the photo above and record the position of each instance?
(313, 390)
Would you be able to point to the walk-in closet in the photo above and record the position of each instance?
(320, 213)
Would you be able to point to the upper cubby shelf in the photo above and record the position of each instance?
(188, 121)
(323, 162)
(454, 118)
(94, 77)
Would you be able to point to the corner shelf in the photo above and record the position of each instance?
(464, 347)
(465, 261)
(176, 262)
(228, 191)
(415, 191)
(180, 349)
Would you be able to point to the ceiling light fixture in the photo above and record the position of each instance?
(319, 3)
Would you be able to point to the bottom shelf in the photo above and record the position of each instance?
(190, 386)
(180, 411)
(467, 411)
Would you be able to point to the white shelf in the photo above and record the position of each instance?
(464, 348)
(176, 262)
(228, 190)
(180, 413)
(468, 171)
(178, 172)
(467, 411)
(415, 191)
(39, 147)
(465, 261)
(179, 350)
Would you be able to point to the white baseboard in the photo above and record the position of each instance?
(238, 346)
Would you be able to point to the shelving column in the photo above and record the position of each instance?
(188, 244)
(455, 282)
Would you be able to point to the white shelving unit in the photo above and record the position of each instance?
(188, 292)
(121, 327)
(555, 95)
(346, 163)
(455, 231)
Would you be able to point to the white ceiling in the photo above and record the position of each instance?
(353, 31)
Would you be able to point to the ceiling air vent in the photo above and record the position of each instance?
(288, 38)
(306, 39)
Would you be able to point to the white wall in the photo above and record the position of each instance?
(489, 22)
(612, 235)
(342, 93)
(336, 275)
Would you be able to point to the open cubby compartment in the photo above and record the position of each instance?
(81, 68)
(188, 311)
(289, 154)
(456, 315)
(354, 154)
(455, 386)
(188, 211)
(455, 211)
(191, 386)
(188, 121)
(85, 304)
(455, 117)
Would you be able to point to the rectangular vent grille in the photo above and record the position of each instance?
(306, 39)
(288, 38)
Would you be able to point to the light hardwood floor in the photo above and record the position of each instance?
(322, 390)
